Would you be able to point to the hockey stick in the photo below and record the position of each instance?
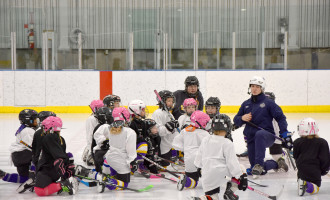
(287, 150)
(165, 107)
(260, 192)
(170, 161)
(22, 142)
(111, 184)
(156, 164)
(155, 176)
(257, 184)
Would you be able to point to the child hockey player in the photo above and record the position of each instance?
(91, 123)
(189, 106)
(189, 141)
(216, 157)
(36, 150)
(54, 162)
(21, 153)
(137, 110)
(212, 106)
(312, 157)
(167, 126)
(104, 116)
(122, 152)
(276, 149)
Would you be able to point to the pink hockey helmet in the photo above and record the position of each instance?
(199, 119)
(120, 116)
(52, 123)
(96, 104)
(189, 102)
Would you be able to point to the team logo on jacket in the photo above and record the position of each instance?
(246, 106)
(262, 105)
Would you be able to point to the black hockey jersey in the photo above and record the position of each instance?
(312, 158)
(180, 96)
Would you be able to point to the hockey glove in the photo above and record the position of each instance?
(287, 143)
(59, 167)
(243, 183)
(171, 125)
(134, 166)
(70, 170)
(105, 145)
(235, 127)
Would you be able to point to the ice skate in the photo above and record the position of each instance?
(2, 174)
(229, 193)
(302, 186)
(244, 154)
(29, 184)
(182, 183)
(69, 185)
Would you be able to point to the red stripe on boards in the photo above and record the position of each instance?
(105, 83)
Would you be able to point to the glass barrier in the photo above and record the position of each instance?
(302, 53)
(247, 44)
(216, 55)
(5, 52)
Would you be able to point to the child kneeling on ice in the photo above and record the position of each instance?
(189, 141)
(216, 156)
(312, 157)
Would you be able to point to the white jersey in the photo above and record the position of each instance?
(189, 142)
(161, 118)
(122, 150)
(100, 135)
(184, 120)
(26, 135)
(277, 131)
(216, 156)
(91, 123)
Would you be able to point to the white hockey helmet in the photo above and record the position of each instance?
(308, 126)
(257, 80)
(136, 106)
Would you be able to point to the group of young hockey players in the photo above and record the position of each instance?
(123, 141)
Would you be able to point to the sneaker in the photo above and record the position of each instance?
(257, 170)
(244, 154)
(229, 193)
(302, 186)
(181, 183)
(2, 174)
(27, 185)
(282, 166)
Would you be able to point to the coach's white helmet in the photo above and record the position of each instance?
(135, 107)
(257, 80)
(308, 126)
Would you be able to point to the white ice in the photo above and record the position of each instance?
(74, 135)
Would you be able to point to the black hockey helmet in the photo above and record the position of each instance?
(110, 100)
(149, 124)
(165, 94)
(44, 114)
(270, 95)
(222, 122)
(191, 80)
(213, 101)
(27, 116)
(104, 115)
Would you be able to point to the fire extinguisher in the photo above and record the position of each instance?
(31, 37)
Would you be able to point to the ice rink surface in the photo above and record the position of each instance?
(74, 135)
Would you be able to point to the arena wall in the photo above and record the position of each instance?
(72, 91)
